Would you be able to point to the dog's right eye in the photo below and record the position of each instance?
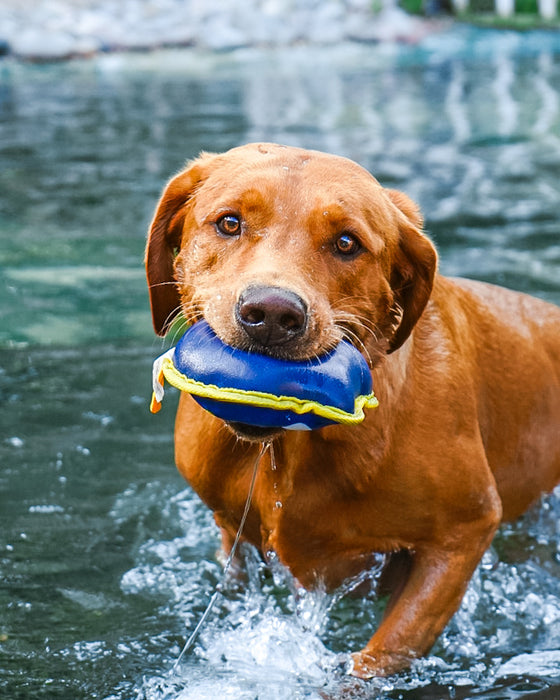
(229, 225)
(347, 245)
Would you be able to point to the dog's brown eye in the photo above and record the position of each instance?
(229, 225)
(347, 245)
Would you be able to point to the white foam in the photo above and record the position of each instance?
(538, 664)
(268, 638)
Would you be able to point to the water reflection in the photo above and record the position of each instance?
(87, 146)
(105, 558)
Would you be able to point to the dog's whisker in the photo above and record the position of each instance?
(169, 323)
(362, 299)
(353, 315)
(344, 316)
(370, 328)
(180, 318)
(179, 330)
(168, 283)
(346, 321)
(361, 346)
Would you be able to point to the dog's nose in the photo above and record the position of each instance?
(271, 315)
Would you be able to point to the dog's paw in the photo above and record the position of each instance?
(363, 665)
(366, 665)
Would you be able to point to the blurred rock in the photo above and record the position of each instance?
(58, 29)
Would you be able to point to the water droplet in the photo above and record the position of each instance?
(270, 556)
(273, 464)
(278, 505)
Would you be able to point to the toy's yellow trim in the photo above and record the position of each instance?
(260, 399)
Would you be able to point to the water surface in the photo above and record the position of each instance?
(106, 556)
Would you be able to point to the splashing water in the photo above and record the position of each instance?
(268, 629)
(269, 638)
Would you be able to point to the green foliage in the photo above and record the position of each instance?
(526, 6)
(414, 7)
(479, 12)
(521, 6)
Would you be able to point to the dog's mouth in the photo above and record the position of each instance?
(254, 433)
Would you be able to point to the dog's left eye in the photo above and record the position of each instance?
(347, 245)
(229, 225)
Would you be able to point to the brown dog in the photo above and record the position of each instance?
(286, 251)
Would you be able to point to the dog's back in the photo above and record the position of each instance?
(514, 346)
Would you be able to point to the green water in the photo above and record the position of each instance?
(106, 557)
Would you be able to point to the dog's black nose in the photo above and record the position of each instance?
(271, 315)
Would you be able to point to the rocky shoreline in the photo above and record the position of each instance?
(60, 29)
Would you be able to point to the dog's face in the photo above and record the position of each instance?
(285, 251)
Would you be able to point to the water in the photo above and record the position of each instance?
(107, 559)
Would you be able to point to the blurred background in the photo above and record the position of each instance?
(106, 556)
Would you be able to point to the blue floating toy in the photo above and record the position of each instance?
(265, 391)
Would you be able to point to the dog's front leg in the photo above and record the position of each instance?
(438, 579)
(235, 566)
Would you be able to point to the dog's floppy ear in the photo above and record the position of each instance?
(414, 268)
(164, 240)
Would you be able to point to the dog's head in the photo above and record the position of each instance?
(285, 251)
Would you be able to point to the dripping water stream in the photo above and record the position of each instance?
(231, 556)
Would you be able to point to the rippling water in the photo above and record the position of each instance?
(106, 557)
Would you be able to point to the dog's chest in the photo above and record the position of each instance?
(290, 528)
(301, 511)
(313, 543)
